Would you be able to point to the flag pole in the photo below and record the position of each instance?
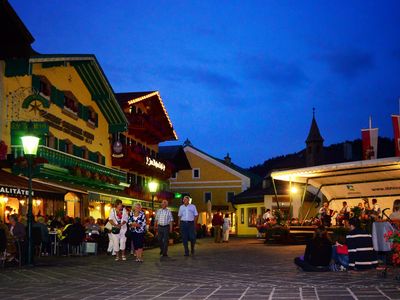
(370, 122)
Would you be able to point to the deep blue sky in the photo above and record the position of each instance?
(240, 76)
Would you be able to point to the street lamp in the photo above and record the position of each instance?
(153, 187)
(30, 144)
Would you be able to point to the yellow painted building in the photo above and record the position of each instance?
(211, 183)
(69, 104)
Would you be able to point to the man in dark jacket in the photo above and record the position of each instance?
(217, 222)
(361, 251)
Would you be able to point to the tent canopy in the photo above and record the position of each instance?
(367, 178)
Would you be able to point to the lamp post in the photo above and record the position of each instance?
(30, 144)
(153, 187)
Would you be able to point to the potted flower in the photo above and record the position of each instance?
(394, 238)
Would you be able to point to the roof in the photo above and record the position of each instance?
(15, 37)
(254, 179)
(256, 194)
(351, 180)
(96, 82)
(314, 135)
(9, 180)
(176, 155)
(151, 97)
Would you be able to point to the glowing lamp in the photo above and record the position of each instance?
(30, 144)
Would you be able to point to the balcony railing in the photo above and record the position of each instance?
(69, 161)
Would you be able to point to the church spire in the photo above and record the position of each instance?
(314, 145)
(314, 135)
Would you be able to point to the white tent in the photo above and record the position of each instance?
(353, 180)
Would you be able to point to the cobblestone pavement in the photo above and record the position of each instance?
(241, 269)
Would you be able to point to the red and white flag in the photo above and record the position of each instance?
(396, 130)
(370, 143)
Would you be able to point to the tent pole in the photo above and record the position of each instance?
(276, 194)
(302, 198)
(315, 198)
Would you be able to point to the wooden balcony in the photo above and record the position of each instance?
(60, 165)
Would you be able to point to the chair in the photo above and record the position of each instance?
(37, 240)
(3, 247)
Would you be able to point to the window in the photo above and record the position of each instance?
(45, 87)
(174, 175)
(229, 196)
(207, 197)
(242, 215)
(252, 216)
(196, 173)
(70, 103)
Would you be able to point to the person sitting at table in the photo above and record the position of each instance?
(7, 242)
(17, 229)
(44, 234)
(318, 252)
(75, 233)
(91, 227)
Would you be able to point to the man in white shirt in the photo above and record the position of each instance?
(187, 220)
(163, 225)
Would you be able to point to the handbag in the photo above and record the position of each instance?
(115, 230)
(108, 226)
(342, 249)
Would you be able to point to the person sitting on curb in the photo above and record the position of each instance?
(317, 255)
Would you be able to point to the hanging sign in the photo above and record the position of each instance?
(157, 164)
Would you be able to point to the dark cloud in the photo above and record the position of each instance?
(276, 73)
(350, 63)
(201, 76)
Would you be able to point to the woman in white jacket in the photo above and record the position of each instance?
(118, 219)
(226, 227)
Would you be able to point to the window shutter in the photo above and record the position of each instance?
(85, 113)
(62, 146)
(93, 156)
(57, 97)
(36, 83)
(80, 110)
(77, 151)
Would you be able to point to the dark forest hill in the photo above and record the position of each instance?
(335, 153)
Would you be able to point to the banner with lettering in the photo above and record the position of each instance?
(369, 143)
(396, 131)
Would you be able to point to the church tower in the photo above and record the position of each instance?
(314, 145)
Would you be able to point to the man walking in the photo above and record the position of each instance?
(163, 225)
(217, 222)
(187, 219)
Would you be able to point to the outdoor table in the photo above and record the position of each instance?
(379, 229)
(54, 242)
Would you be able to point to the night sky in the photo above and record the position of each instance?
(240, 76)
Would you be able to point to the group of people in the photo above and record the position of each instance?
(362, 211)
(356, 252)
(122, 224)
(221, 227)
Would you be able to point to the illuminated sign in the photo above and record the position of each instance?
(152, 162)
(14, 191)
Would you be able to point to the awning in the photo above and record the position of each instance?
(367, 178)
(17, 186)
(106, 196)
